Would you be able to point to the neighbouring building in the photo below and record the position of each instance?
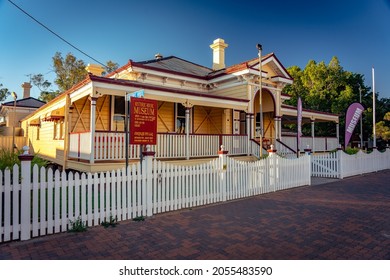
(12, 112)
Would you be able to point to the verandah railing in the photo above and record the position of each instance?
(111, 145)
(320, 143)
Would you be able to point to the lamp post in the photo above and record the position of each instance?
(15, 96)
(259, 49)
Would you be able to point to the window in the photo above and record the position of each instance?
(258, 126)
(243, 123)
(119, 114)
(180, 118)
(59, 130)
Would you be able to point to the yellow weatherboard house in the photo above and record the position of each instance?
(199, 109)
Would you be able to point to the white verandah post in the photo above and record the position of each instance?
(187, 132)
(312, 136)
(92, 128)
(248, 132)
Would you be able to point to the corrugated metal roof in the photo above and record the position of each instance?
(29, 102)
(175, 64)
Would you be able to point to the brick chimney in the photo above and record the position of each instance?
(26, 89)
(95, 69)
(218, 48)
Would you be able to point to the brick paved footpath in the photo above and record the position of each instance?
(345, 219)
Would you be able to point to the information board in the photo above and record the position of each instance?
(143, 121)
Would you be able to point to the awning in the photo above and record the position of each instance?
(35, 122)
(57, 114)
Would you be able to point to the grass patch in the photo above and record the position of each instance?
(139, 219)
(113, 222)
(77, 226)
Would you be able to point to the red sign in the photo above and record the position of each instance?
(143, 121)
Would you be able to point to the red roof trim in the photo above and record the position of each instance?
(62, 95)
(124, 67)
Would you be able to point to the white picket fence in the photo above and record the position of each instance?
(49, 201)
(340, 165)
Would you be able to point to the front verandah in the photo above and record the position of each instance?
(184, 132)
(288, 144)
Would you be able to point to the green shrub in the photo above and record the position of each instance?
(351, 151)
(113, 222)
(8, 158)
(77, 226)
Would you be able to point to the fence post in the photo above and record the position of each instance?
(387, 156)
(147, 175)
(222, 171)
(340, 162)
(308, 150)
(274, 170)
(25, 202)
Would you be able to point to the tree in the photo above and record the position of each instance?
(4, 93)
(69, 71)
(110, 67)
(383, 127)
(44, 86)
(327, 88)
(382, 131)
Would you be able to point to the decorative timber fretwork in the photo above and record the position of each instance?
(187, 104)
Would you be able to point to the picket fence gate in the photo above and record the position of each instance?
(49, 201)
(340, 164)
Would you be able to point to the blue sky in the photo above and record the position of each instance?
(357, 32)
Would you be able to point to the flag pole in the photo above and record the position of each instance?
(373, 109)
(260, 48)
(361, 119)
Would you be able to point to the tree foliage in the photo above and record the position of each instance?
(330, 88)
(4, 93)
(110, 67)
(44, 86)
(69, 71)
(383, 128)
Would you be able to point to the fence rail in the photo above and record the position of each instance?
(340, 165)
(46, 202)
(316, 143)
